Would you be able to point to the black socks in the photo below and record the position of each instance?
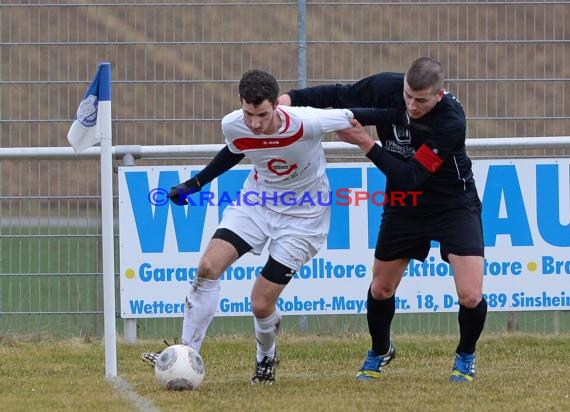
(471, 323)
(379, 315)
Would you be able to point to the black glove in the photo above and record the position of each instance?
(179, 193)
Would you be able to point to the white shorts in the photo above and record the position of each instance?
(292, 240)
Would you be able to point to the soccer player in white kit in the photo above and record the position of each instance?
(284, 146)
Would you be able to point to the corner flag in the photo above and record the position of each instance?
(92, 125)
(86, 128)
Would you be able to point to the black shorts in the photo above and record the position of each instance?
(408, 236)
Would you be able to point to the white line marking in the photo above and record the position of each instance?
(142, 404)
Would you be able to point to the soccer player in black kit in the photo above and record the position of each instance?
(421, 130)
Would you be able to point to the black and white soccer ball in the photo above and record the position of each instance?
(179, 367)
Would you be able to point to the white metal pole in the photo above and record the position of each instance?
(107, 232)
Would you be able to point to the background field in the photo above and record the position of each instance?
(175, 67)
(516, 372)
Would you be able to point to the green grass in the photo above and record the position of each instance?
(515, 372)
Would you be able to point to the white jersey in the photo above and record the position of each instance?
(288, 173)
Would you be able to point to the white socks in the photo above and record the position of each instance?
(265, 333)
(201, 305)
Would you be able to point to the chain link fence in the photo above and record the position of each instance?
(175, 69)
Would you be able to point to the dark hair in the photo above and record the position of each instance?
(256, 86)
(425, 73)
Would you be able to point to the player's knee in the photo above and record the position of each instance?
(261, 306)
(381, 291)
(469, 300)
(208, 268)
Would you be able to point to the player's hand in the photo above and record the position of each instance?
(356, 135)
(179, 193)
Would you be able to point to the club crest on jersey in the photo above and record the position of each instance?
(280, 167)
(402, 132)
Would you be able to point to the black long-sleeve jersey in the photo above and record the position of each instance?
(426, 154)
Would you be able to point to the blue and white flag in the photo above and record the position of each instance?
(88, 125)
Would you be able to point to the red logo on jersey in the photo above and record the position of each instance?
(280, 167)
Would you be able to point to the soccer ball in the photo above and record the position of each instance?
(179, 367)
